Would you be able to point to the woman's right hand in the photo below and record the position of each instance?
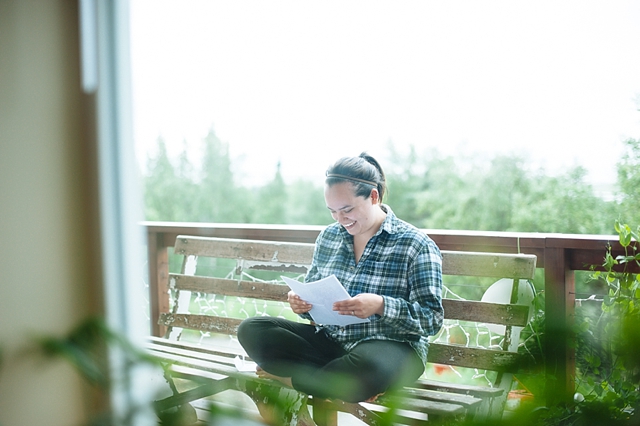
(298, 305)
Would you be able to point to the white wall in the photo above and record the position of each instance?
(49, 273)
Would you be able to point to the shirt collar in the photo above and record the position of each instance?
(389, 224)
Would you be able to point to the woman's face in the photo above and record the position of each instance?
(356, 214)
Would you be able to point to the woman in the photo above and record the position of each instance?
(393, 273)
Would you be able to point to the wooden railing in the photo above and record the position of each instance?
(560, 255)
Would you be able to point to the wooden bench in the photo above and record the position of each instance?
(211, 366)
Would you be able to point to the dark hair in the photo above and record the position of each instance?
(363, 171)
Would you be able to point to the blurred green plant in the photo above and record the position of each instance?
(88, 347)
(607, 334)
(85, 348)
(610, 377)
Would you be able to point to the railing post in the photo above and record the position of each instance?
(158, 255)
(559, 315)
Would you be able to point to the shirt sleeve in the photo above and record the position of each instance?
(313, 274)
(422, 314)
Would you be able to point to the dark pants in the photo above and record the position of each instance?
(321, 367)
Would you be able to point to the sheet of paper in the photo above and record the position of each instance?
(322, 294)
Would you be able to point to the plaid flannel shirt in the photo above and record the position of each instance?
(400, 263)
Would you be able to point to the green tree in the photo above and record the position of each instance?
(405, 181)
(306, 204)
(217, 196)
(465, 193)
(168, 191)
(472, 193)
(272, 201)
(439, 202)
(565, 204)
(160, 171)
(629, 180)
(497, 193)
(483, 197)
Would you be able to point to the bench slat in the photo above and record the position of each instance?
(193, 374)
(227, 287)
(200, 364)
(251, 250)
(493, 313)
(407, 413)
(434, 407)
(208, 349)
(210, 323)
(219, 358)
(467, 401)
(480, 358)
(521, 266)
(478, 391)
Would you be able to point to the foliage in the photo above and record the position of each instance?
(611, 374)
(305, 206)
(496, 194)
(272, 201)
(608, 343)
(217, 198)
(566, 204)
(169, 191)
(629, 181)
(429, 190)
(88, 347)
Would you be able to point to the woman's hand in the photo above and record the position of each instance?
(362, 305)
(298, 305)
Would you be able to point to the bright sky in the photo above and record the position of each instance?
(307, 82)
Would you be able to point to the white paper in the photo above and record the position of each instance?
(322, 294)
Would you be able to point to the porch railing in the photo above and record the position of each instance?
(560, 255)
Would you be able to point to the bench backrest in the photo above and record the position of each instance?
(295, 258)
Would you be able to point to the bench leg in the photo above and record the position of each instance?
(323, 413)
(279, 406)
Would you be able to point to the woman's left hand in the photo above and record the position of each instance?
(362, 305)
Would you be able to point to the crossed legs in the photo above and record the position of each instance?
(312, 363)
